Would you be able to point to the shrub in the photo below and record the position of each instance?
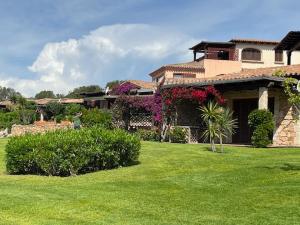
(148, 135)
(27, 116)
(69, 152)
(260, 137)
(96, 117)
(73, 109)
(54, 109)
(178, 135)
(59, 118)
(262, 124)
(7, 119)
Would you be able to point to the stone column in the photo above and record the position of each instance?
(42, 117)
(263, 98)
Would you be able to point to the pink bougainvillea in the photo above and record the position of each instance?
(172, 96)
(123, 89)
(163, 102)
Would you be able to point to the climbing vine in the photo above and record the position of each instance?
(290, 89)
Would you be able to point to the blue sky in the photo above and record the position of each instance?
(61, 44)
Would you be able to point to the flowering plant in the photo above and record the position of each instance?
(172, 96)
(124, 88)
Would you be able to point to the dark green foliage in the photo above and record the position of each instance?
(113, 83)
(8, 93)
(261, 137)
(60, 118)
(178, 135)
(45, 94)
(83, 89)
(148, 135)
(7, 119)
(96, 117)
(262, 124)
(30, 105)
(54, 109)
(27, 116)
(69, 152)
(73, 109)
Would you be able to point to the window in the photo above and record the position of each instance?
(184, 75)
(251, 54)
(278, 55)
(177, 75)
(223, 55)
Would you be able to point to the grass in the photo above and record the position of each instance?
(173, 184)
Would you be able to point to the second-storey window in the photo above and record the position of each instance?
(184, 75)
(251, 54)
(278, 55)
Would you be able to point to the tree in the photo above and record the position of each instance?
(54, 109)
(210, 114)
(113, 83)
(83, 89)
(45, 94)
(219, 121)
(8, 93)
(226, 125)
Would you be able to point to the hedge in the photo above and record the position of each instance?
(148, 135)
(178, 135)
(262, 124)
(70, 152)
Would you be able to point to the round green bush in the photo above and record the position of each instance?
(96, 117)
(70, 152)
(261, 137)
(148, 135)
(178, 135)
(262, 123)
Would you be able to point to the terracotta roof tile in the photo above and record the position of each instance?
(71, 100)
(45, 101)
(244, 74)
(255, 41)
(194, 66)
(143, 84)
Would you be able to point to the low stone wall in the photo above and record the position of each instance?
(39, 127)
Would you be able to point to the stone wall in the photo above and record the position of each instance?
(39, 127)
(287, 129)
(285, 124)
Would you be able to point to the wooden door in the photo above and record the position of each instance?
(241, 109)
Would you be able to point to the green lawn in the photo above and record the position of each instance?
(173, 184)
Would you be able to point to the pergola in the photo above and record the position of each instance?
(290, 43)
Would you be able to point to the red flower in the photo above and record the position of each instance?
(168, 102)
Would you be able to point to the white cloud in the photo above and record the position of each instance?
(121, 51)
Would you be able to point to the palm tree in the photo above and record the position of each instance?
(226, 125)
(210, 114)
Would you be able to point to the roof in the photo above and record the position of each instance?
(204, 44)
(142, 84)
(254, 41)
(71, 100)
(6, 103)
(195, 66)
(289, 41)
(245, 75)
(45, 101)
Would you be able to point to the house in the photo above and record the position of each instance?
(41, 103)
(213, 58)
(137, 90)
(249, 87)
(105, 99)
(6, 104)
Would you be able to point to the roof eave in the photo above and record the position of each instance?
(230, 81)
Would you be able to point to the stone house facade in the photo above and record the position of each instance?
(253, 85)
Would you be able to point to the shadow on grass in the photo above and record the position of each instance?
(285, 167)
(290, 167)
